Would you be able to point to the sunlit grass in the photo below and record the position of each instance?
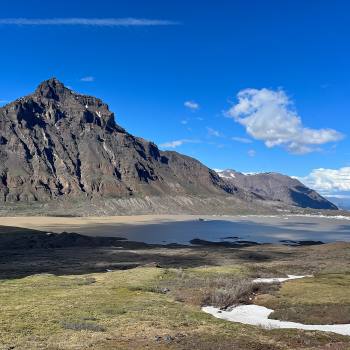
(322, 299)
(126, 309)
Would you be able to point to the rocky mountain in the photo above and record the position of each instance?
(61, 147)
(277, 187)
(57, 144)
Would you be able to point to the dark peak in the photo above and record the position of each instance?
(51, 89)
(52, 82)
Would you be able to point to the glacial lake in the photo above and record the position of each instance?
(260, 229)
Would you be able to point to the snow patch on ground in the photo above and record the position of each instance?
(258, 316)
(279, 279)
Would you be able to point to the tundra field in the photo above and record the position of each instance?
(79, 292)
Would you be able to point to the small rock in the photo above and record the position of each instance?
(168, 338)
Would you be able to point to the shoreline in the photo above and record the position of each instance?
(147, 218)
(183, 229)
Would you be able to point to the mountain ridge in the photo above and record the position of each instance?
(57, 144)
(278, 187)
(54, 127)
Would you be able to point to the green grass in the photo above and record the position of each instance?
(322, 299)
(236, 270)
(40, 305)
(123, 310)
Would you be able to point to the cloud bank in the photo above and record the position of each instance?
(270, 116)
(96, 22)
(328, 181)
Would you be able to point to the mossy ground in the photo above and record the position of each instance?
(63, 298)
(123, 310)
(323, 299)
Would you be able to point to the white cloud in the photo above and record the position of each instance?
(184, 122)
(88, 79)
(328, 181)
(177, 143)
(191, 105)
(338, 196)
(270, 116)
(213, 132)
(251, 153)
(241, 139)
(96, 22)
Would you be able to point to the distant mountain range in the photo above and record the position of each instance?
(57, 146)
(277, 187)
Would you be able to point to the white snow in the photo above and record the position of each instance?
(279, 279)
(99, 114)
(110, 153)
(258, 316)
(44, 135)
(227, 175)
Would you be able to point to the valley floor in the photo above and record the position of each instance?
(134, 296)
(181, 229)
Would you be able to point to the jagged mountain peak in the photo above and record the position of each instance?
(52, 82)
(51, 89)
(52, 102)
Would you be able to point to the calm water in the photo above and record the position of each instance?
(257, 229)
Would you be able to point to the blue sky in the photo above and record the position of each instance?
(293, 56)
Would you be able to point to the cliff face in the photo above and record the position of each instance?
(55, 143)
